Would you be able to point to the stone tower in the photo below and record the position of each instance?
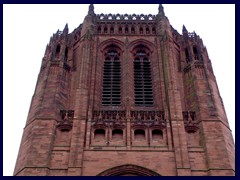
(126, 95)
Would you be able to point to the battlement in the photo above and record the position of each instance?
(125, 17)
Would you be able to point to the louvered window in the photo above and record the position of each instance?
(112, 80)
(142, 80)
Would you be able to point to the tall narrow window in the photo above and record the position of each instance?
(112, 78)
(120, 30)
(112, 30)
(132, 30)
(66, 55)
(153, 30)
(105, 30)
(142, 79)
(195, 53)
(126, 30)
(147, 31)
(99, 29)
(58, 51)
(187, 55)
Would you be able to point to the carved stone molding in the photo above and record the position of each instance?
(65, 124)
(111, 119)
(150, 119)
(199, 64)
(187, 68)
(190, 123)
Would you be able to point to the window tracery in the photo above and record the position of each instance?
(111, 94)
(142, 77)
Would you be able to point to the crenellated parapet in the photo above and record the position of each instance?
(126, 17)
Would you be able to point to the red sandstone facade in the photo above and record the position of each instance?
(126, 95)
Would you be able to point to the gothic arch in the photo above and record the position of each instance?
(142, 42)
(128, 170)
(110, 42)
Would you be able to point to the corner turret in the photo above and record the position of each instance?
(161, 10)
(91, 10)
(65, 30)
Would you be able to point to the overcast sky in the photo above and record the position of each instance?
(28, 28)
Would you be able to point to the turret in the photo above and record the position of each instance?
(88, 23)
(161, 10)
(164, 27)
(65, 30)
(184, 30)
(91, 10)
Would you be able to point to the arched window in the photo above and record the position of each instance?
(147, 31)
(105, 30)
(139, 135)
(126, 30)
(58, 51)
(99, 134)
(112, 77)
(157, 135)
(111, 30)
(117, 134)
(132, 30)
(142, 77)
(120, 30)
(195, 52)
(141, 30)
(187, 55)
(66, 55)
(99, 29)
(153, 30)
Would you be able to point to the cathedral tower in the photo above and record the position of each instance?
(126, 95)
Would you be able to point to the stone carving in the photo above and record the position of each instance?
(111, 119)
(190, 123)
(147, 119)
(65, 124)
(125, 17)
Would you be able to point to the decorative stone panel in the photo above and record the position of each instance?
(151, 119)
(65, 124)
(112, 119)
(189, 118)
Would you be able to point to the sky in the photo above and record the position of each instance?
(27, 30)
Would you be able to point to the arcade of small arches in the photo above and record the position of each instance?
(146, 128)
(125, 29)
(108, 136)
(195, 53)
(132, 17)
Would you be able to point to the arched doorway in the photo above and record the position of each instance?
(128, 170)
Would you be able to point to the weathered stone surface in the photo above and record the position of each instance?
(180, 127)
